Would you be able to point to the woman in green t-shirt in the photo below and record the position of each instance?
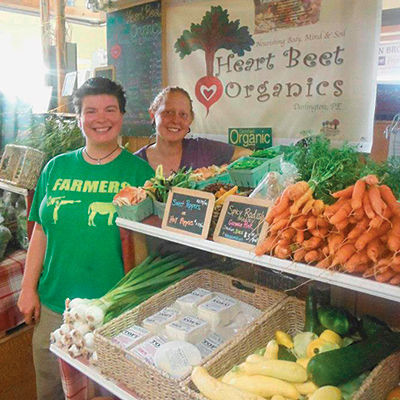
(75, 249)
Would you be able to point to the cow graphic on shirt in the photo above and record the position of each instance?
(102, 209)
(57, 202)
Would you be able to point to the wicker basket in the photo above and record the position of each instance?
(21, 165)
(289, 317)
(147, 381)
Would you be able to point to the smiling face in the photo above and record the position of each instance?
(173, 117)
(101, 119)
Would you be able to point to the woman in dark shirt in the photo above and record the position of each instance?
(172, 114)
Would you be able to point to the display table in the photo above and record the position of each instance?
(92, 373)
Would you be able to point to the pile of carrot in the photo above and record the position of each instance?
(359, 233)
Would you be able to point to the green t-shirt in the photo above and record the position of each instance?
(73, 203)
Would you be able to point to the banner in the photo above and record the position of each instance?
(297, 66)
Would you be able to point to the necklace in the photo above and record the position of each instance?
(99, 160)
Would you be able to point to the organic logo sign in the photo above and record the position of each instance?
(213, 33)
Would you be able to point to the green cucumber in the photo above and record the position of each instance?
(337, 319)
(339, 366)
(312, 323)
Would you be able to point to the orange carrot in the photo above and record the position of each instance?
(367, 206)
(358, 214)
(321, 233)
(375, 249)
(334, 242)
(358, 229)
(343, 254)
(277, 226)
(296, 190)
(390, 200)
(344, 194)
(393, 243)
(313, 243)
(341, 225)
(366, 237)
(322, 222)
(308, 206)
(395, 226)
(282, 251)
(299, 255)
(357, 269)
(342, 213)
(299, 236)
(376, 222)
(395, 280)
(369, 272)
(395, 268)
(396, 261)
(384, 277)
(371, 179)
(283, 215)
(325, 251)
(355, 259)
(295, 207)
(333, 208)
(358, 193)
(311, 222)
(375, 199)
(300, 222)
(288, 233)
(283, 204)
(312, 256)
(325, 262)
(265, 246)
(318, 207)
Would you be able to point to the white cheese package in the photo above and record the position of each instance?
(131, 336)
(189, 302)
(177, 358)
(187, 328)
(209, 344)
(219, 311)
(156, 322)
(147, 349)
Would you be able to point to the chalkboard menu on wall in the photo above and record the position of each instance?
(134, 48)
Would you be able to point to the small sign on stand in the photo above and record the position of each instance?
(188, 211)
(241, 222)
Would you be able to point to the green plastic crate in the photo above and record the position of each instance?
(138, 212)
(252, 177)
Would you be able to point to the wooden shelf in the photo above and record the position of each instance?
(95, 375)
(347, 281)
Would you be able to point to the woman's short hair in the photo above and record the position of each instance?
(99, 85)
(163, 94)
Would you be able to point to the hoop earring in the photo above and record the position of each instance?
(188, 131)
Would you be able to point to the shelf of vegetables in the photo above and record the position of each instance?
(332, 277)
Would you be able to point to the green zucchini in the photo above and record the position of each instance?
(339, 366)
(285, 354)
(370, 326)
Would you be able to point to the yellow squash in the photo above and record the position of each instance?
(213, 389)
(264, 386)
(327, 393)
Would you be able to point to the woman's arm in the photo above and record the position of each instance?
(28, 302)
(240, 152)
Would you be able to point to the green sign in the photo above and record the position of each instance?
(259, 138)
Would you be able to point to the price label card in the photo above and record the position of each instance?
(188, 211)
(241, 221)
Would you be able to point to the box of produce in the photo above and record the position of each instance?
(248, 171)
(208, 175)
(132, 203)
(282, 356)
(224, 178)
(161, 339)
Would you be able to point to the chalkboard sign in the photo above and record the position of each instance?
(188, 211)
(134, 48)
(241, 221)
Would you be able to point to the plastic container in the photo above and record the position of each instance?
(137, 212)
(221, 178)
(252, 177)
(159, 208)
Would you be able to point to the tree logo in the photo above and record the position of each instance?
(213, 33)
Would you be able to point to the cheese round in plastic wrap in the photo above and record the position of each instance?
(177, 358)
